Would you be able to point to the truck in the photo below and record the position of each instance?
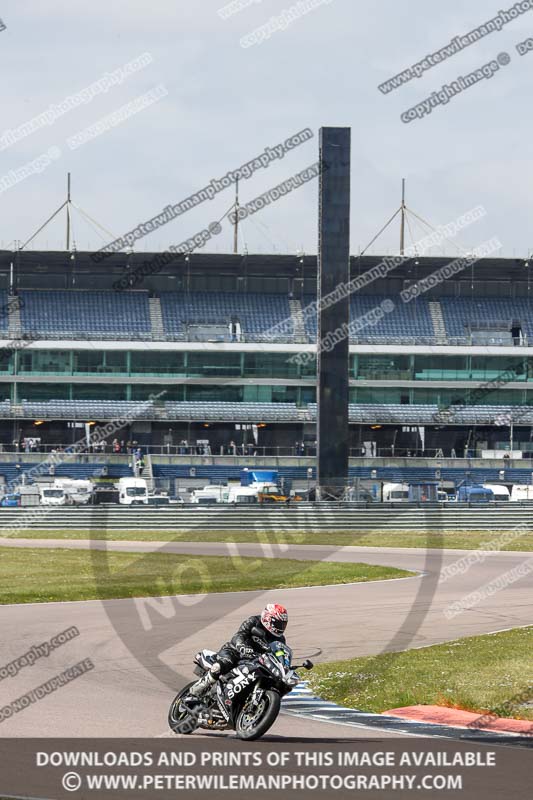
(474, 493)
(78, 492)
(50, 495)
(270, 488)
(259, 478)
(132, 491)
(210, 494)
(521, 492)
(243, 494)
(395, 492)
(501, 493)
(271, 493)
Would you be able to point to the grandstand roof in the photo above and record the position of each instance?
(47, 269)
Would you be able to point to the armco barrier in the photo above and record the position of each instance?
(299, 517)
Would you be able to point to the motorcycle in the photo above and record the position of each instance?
(247, 699)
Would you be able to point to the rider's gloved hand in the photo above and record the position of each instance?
(246, 652)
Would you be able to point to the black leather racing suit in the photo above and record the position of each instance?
(229, 654)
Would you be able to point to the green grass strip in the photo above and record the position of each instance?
(479, 673)
(38, 575)
(455, 540)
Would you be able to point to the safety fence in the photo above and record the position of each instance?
(297, 517)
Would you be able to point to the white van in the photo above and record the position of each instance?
(78, 492)
(243, 494)
(210, 494)
(395, 492)
(501, 493)
(521, 492)
(132, 491)
(52, 496)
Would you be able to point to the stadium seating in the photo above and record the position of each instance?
(405, 322)
(252, 412)
(257, 313)
(82, 314)
(431, 414)
(4, 311)
(363, 413)
(88, 409)
(126, 315)
(460, 313)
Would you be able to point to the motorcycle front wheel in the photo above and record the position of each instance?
(254, 722)
(181, 720)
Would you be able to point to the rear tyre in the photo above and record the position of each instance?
(182, 720)
(251, 725)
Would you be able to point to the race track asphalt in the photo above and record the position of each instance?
(142, 649)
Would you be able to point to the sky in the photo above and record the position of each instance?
(220, 104)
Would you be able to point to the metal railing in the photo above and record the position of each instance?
(257, 338)
(247, 451)
(299, 516)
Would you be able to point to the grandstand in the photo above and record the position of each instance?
(256, 313)
(264, 317)
(102, 315)
(221, 349)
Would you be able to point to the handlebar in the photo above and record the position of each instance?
(306, 665)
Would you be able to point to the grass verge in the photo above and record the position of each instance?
(480, 673)
(28, 575)
(458, 540)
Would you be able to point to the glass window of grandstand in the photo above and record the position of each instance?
(383, 367)
(284, 394)
(380, 396)
(269, 365)
(43, 391)
(221, 394)
(100, 362)
(494, 368)
(467, 397)
(149, 362)
(308, 368)
(270, 394)
(436, 397)
(38, 362)
(99, 391)
(307, 395)
(502, 397)
(143, 391)
(206, 364)
(7, 358)
(443, 368)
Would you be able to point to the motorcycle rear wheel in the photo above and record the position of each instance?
(250, 730)
(182, 721)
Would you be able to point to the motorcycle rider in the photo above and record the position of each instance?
(253, 637)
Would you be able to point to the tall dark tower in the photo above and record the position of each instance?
(333, 318)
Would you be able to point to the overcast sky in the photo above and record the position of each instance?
(225, 103)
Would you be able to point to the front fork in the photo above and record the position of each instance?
(256, 695)
(254, 698)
